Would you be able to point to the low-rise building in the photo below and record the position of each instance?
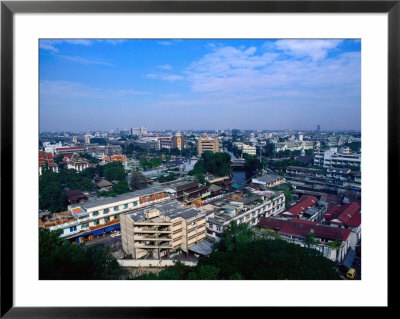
(76, 196)
(69, 149)
(83, 221)
(332, 242)
(46, 160)
(189, 191)
(269, 180)
(240, 208)
(74, 161)
(331, 158)
(297, 210)
(346, 216)
(245, 148)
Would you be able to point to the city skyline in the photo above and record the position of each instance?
(200, 84)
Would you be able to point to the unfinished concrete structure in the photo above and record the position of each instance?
(157, 231)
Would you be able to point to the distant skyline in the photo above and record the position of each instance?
(199, 84)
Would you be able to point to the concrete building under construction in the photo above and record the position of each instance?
(162, 229)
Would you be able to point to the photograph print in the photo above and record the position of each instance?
(199, 159)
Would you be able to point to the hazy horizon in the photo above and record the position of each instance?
(206, 84)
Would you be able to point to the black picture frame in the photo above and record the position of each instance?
(9, 8)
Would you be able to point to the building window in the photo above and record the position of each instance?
(73, 228)
(85, 225)
(95, 213)
(134, 204)
(106, 219)
(116, 208)
(107, 210)
(116, 216)
(96, 222)
(125, 206)
(62, 231)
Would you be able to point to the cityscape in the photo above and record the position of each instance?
(200, 159)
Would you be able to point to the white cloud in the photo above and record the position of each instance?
(79, 42)
(82, 60)
(165, 43)
(47, 46)
(165, 76)
(316, 49)
(165, 67)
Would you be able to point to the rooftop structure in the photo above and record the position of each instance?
(47, 159)
(298, 231)
(269, 180)
(297, 210)
(241, 208)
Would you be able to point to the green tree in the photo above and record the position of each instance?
(138, 180)
(61, 260)
(252, 163)
(208, 272)
(121, 187)
(269, 149)
(114, 171)
(52, 195)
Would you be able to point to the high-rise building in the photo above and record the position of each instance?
(207, 144)
(318, 128)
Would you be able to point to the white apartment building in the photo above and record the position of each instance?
(224, 209)
(247, 149)
(332, 158)
(95, 217)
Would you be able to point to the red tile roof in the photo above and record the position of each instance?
(46, 158)
(301, 228)
(303, 205)
(348, 214)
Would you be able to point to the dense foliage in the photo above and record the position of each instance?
(52, 195)
(114, 171)
(253, 164)
(149, 164)
(138, 180)
(61, 260)
(238, 255)
(218, 164)
(53, 186)
(119, 188)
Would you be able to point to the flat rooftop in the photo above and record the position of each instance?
(126, 196)
(168, 209)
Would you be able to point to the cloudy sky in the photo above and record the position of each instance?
(200, 84)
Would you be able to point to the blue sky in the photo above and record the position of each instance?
(88, 84)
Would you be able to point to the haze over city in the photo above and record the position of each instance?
(200, 84)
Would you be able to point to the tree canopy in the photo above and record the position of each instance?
(61, 260)
(114, 171)
(138, 180)
(218, 164)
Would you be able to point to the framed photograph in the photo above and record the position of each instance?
(141, 99)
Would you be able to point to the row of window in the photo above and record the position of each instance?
(115, 209)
